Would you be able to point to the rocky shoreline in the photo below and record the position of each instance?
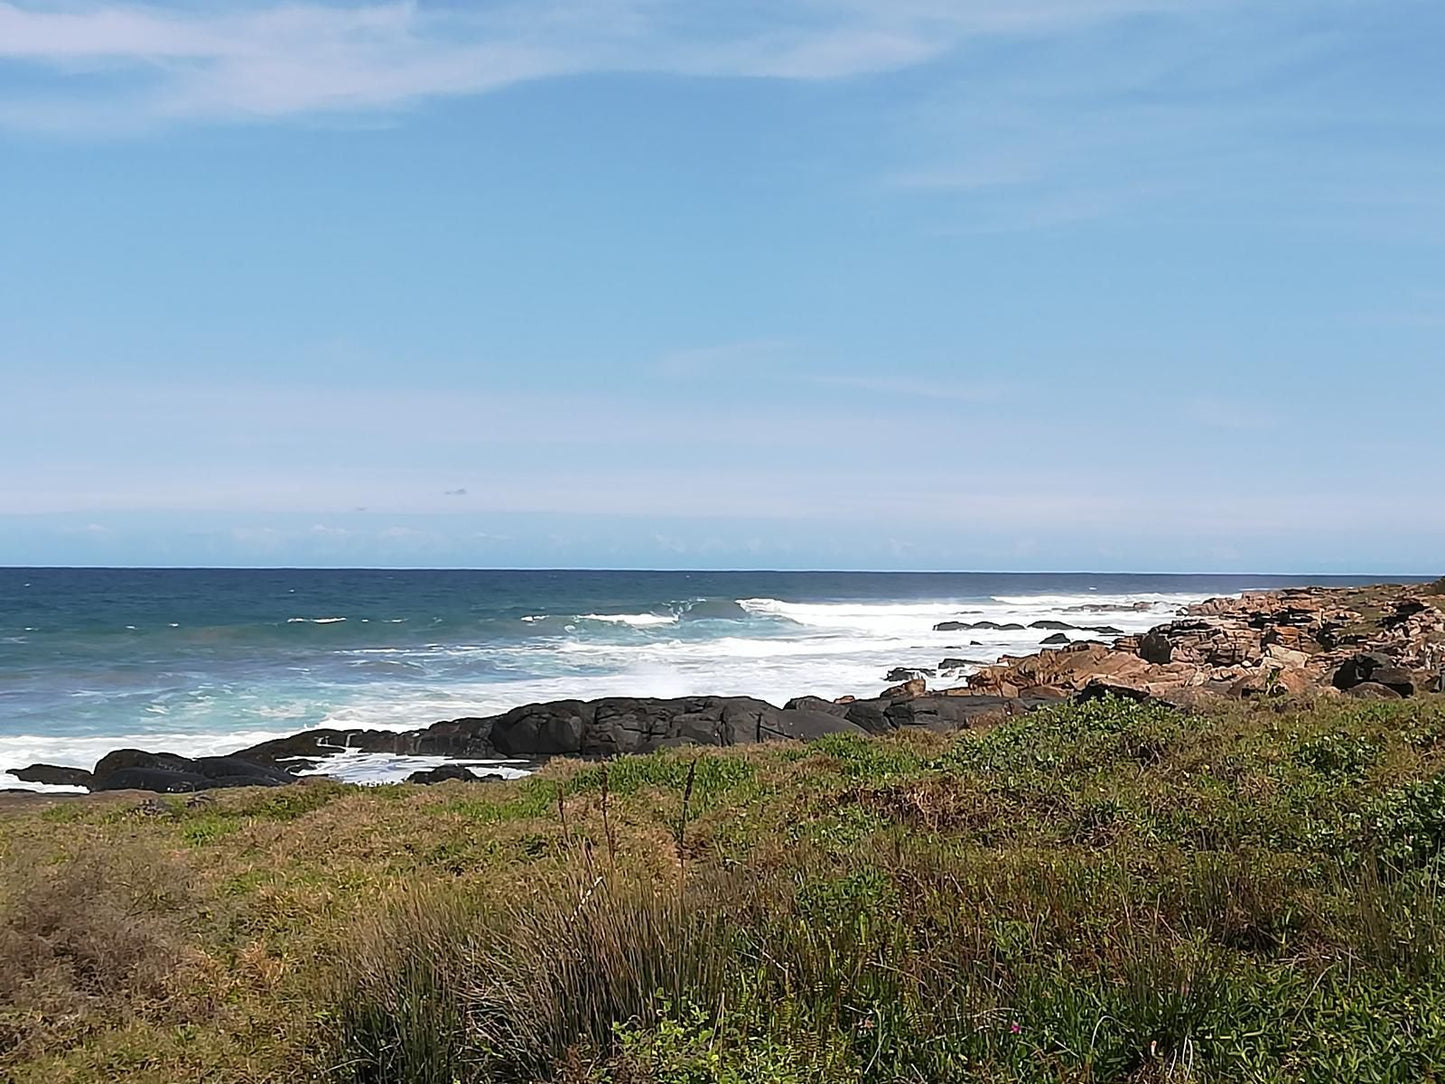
(1385, 641)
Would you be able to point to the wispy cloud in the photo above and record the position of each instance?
(101, 63)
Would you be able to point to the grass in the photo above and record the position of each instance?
(1106, 892)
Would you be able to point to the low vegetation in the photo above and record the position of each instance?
(1103, 892)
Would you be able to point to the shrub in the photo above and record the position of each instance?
(91, 940)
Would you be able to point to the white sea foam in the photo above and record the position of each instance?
(637, 621)
(314, 620)
(375, 768)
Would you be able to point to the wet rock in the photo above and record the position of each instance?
(906, 673)
(1056, 638)
(54, 775)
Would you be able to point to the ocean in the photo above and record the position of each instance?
(204, 661)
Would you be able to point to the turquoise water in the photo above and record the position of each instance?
(209, 660)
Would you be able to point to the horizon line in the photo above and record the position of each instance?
(1406, 576)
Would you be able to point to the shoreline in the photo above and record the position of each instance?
(1380, 641)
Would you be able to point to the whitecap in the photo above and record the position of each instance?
(637, 621)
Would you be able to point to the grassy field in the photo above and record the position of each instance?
(1107, 892)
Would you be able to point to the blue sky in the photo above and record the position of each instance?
(1003, 284)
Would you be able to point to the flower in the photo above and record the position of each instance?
(1014, 1028)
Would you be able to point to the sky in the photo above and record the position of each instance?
(1115, 285)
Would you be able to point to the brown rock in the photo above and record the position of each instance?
(909, 689)
(1369, 690)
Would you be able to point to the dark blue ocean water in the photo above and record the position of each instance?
(209, 660)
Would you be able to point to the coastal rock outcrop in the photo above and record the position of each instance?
(1383, 640)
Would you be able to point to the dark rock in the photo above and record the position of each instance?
(1097, 690)
(1392, 677)
(54, 776)
(807, 725)
(1104, 630)
(168, 773)
(946, 714)
(444, 772)
(908, 673)
(557, 728)
(1056, 638)
(1359, 669)
(310, 744)
(817, 703)
(958, 626)
(1060, 625)
(160, 780)
(638, 725)
(1154, 647)
(959, 664)
(870, 715)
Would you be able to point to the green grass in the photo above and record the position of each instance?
(1107, 892)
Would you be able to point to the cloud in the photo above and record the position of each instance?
(101, 64)
(454, 493)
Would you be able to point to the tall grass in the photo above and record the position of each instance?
(448, 989)
(901, 964)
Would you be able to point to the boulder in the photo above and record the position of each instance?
(912, 687)
(800, 725)
(1393, 677)
(1056, 638)
(1372, 668)
(1154, 647)
(1057, 625)
(54, 775)
(951, 626)
(169, 773)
